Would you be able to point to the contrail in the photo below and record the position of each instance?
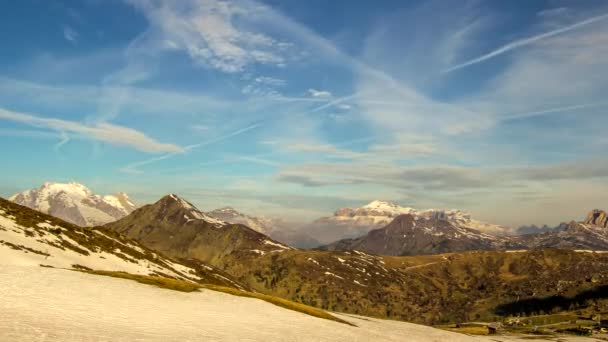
(335, 102)
(553, 110)
(64, 140)
(132, 168)
(522, 42)
(224, 137)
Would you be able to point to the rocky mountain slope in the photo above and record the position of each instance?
(352, 223)
(426, 289)
(175, 227)
(410, 234)
(75, 203)
(31, 238)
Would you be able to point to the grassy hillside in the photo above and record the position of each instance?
(430, 289)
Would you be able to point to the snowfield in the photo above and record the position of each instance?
(45, 304)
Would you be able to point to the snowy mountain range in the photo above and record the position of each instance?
(75, 203)
(260, 224)
(273, 227)
(352, 223)
(410, 234)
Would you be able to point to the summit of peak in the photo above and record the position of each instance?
(175, 198)
(379, 203)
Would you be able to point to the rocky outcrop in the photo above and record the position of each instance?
(597, 218)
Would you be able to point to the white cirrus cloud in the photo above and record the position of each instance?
(70, 34)
(319, 93)
(218, 34)
(113, 134)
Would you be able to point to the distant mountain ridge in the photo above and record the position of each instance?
(352, 223)
(413, 235)
(75, 203)
(273, 227)
(260, 224)
(534, 229)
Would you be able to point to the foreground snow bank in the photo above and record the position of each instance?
(42, 304)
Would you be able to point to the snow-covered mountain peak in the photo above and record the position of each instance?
(75, 203)
(190, 212)
(258, 223)
(377, 214)
(384, 208)
(181, 202)
(377, 204)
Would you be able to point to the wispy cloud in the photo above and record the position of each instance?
(319, 93)
(271, 81)
(70, 34)
(112, 134)
(212, 33)
(526, 41)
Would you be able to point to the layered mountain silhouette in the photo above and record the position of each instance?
(275, 228)
(353, 223)
(411, 235)
(426, 289)
(177, 228)
(408, 235)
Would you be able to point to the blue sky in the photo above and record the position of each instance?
(294, 108)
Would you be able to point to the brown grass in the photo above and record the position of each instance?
(165, 283)
(284, 303)
(185, 286)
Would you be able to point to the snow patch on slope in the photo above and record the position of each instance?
(40, 304)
